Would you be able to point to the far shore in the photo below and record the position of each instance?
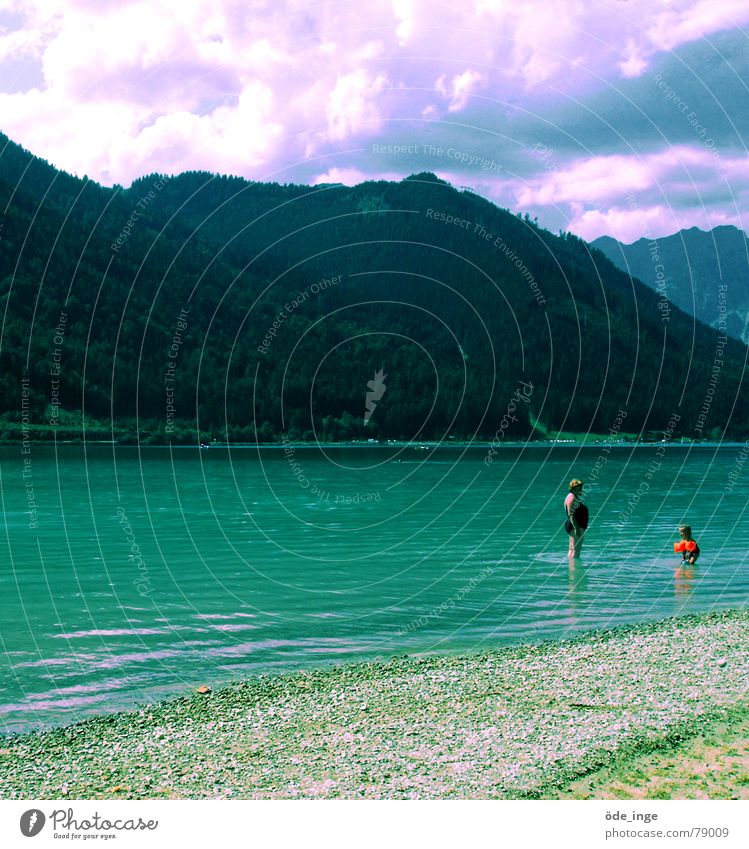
(593, 441)
(525, 722)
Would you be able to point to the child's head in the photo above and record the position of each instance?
(685, 531)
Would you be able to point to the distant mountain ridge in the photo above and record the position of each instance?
(690, 267)
(248, 311)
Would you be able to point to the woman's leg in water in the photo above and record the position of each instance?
(577, 543)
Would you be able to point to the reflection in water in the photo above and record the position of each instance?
(683, 577)
(578, 577)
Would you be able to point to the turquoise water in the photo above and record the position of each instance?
(132, 574)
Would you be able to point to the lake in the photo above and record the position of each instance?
(129, 574)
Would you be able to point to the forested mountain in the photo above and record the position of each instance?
(263, 310)
(690, 267)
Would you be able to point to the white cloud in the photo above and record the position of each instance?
(681, 21)
(629, 225)
(460, 88)
(351, 106)
(347, 176)
(149, 85)
(635, 63)
(626, 225)
(84, 141)
(589, 180)
(236, 139)
(19, 45)
(114, 142)
(404, 12)
(633, 196)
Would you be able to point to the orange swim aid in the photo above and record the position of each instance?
(685, 545)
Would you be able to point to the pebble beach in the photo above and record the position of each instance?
(518, 722)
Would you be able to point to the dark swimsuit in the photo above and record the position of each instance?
(581, 517)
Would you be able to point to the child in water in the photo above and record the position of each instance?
(689, 549)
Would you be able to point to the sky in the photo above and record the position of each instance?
(626, 118)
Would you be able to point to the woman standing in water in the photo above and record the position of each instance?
(577, 517)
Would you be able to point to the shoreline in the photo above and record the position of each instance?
(484, 445)
(516, 722)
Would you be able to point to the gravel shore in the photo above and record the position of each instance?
(513, 723)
